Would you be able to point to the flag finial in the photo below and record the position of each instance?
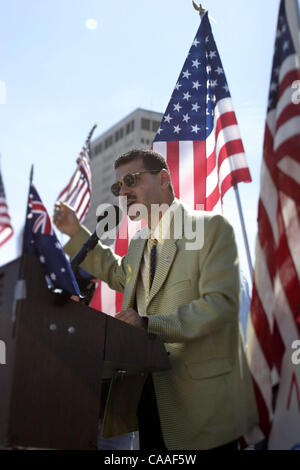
(199, 8)
(89, 137)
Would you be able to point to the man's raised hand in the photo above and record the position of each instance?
(66, 219)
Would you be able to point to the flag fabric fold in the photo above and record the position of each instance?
(78, 191)
(40, 240)
(6, 229)
(275, 309)
(199, 134)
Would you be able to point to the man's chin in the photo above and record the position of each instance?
(137, 211)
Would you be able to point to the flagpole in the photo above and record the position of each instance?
(20, 287)
(240, 210)
(30, 183)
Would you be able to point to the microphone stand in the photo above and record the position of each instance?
(83, 252)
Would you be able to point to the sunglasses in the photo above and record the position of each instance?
(130, 180)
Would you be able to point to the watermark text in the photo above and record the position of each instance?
(2, 353)
(296, 353)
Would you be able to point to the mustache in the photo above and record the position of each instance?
(131, 198)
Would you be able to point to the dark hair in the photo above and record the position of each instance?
(151, 161)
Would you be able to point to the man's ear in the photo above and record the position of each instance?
(164, 178)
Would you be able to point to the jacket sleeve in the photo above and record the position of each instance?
(101, 262)
(218, 288)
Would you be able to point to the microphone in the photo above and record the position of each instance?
(106, 221)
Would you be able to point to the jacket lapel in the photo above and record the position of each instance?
(166, 259)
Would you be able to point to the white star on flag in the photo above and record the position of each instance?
(196, 85)
(286, 45)
(186, 118)
(196, 63)
(187, 96)
(273, 86)
(177, 107)
(177, 129)
(195, 107)
(186, 74)
(195, 129)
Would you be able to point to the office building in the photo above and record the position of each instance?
(137, 130)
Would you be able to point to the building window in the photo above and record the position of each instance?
(97, 149)
(108, 142)
(119, 134)
(129, 127)
(145, 123)
(155, 125)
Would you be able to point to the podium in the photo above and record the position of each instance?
(57, 352)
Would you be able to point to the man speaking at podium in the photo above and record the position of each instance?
(180, 280)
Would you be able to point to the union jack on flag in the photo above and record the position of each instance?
(199, 134)
(40, 240)
(275, 310)
(6, 230)
(42, 221)
(78, 192)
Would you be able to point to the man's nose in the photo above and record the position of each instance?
(124, 190)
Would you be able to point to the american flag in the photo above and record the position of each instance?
(200, 139)
(275, 310)
(199, 135)
(105, 299)
(78, 192)
(40, 240)
(6, 230)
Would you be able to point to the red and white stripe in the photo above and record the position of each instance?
(78, 192)
(275, 310)
(202, 171)
(6, 230)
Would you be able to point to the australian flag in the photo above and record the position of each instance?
(40, 240)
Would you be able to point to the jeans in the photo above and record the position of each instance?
(123, 442)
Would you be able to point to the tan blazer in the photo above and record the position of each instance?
(206, 399)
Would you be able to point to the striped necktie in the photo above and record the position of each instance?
(152, 264)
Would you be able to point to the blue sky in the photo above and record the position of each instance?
(61, 78)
